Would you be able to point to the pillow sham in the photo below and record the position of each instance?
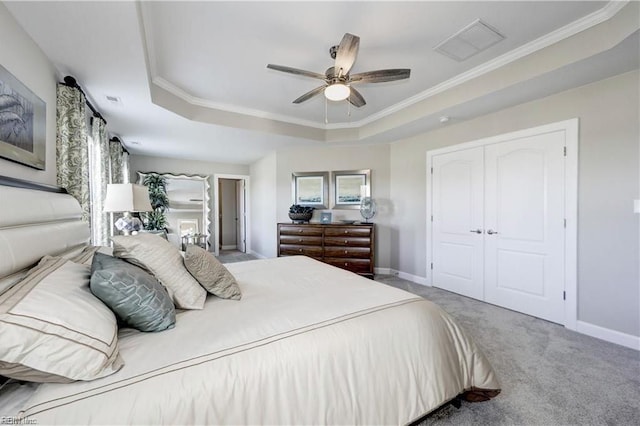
(163, 260)
(53, 329)
(210, 273)
(133, 294)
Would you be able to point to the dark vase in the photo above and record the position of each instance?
(300, 217)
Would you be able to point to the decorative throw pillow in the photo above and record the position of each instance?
(211, 273)
(163, 260)
(133, 294)
(52, 329)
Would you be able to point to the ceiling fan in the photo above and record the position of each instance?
(338, 82)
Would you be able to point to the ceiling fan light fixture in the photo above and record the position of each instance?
(337, 92)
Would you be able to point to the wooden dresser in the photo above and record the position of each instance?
(349, 247)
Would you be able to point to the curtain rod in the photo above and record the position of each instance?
(71, 82)
(117, 139)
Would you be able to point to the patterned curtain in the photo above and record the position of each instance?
(99, 177)
(72, 151)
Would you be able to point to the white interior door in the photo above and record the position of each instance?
(458, 222)
(524, 225)
(241, 220)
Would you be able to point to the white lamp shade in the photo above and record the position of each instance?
(127, 197)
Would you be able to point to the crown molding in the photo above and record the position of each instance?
(575, 27)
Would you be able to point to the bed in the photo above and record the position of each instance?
(307, 344)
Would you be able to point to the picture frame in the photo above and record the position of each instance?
(310, 189)
(325, 217)
(22, 123)
(187, 227)
(349, 187)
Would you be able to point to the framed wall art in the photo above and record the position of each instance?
(349, 187)
(310, 189)
(22, 123)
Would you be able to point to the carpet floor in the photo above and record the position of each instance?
(549, 375)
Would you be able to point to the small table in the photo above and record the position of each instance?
(199, 240)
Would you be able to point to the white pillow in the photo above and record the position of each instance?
(163, 260)
(52, 329)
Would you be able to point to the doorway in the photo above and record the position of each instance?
(502, 220)
(231, 212)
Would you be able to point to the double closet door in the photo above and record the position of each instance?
(498, 224)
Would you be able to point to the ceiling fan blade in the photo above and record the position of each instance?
(296, 71)
(347, 53)
(309, 95)
(356, 99)
(380, 76)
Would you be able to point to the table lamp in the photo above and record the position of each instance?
(127, 198)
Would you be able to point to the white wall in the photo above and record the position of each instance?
(263, 212)
(609, 181)
(24, 59)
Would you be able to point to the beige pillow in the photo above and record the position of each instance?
(211, 273)
(163, 260)
(52, 329)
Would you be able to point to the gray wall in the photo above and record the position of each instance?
(609, 181)
(327, 158)
(262, 217)
(23, 58)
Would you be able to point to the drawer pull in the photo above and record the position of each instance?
(300, 240)
(346, 241)
(346, 232)
(346, 252)
(300, 250)
(346, 264)
(299, 231)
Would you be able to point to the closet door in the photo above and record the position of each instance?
(457, 222)
(524, 225)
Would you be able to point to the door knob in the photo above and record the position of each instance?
(477, 231)
(491, 232)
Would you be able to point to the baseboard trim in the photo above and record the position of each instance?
(606, 334)
(612, 336)
(409, 277)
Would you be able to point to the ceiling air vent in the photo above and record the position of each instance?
(472, 39)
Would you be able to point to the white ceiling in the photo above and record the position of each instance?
(206, 62)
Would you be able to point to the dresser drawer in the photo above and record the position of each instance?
(300, 230)
(301, 240)
(291, 250)
(348, 231)
(348, 252)
(353, 265)
(347, 241)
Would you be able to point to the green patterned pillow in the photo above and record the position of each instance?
(132, 293)
(211, 274)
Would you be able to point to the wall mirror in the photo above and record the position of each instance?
(187, 216)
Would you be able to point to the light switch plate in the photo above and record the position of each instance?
(636, 206)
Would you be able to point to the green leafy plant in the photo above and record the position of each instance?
(156, 219)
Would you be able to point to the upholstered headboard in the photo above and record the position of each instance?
(36, 220)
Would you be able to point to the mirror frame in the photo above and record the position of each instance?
(206, 200)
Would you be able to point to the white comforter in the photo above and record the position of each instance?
(307, 344)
